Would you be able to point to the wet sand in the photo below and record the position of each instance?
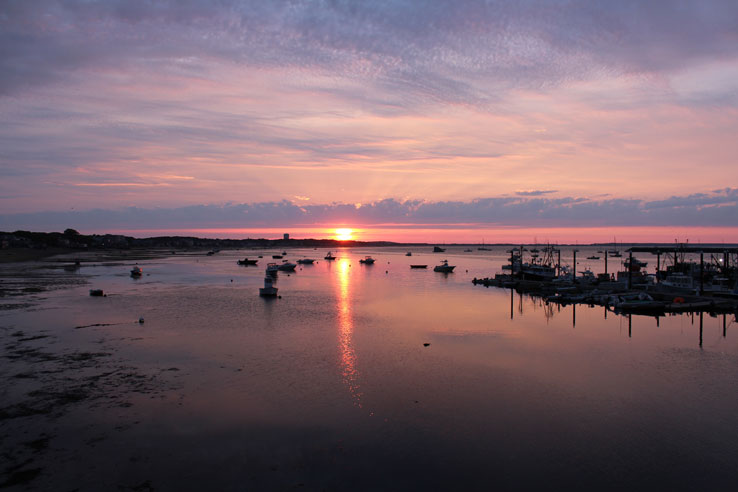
(54, 376)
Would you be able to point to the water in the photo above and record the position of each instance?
(332, 386)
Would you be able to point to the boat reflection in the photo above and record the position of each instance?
(346, 331)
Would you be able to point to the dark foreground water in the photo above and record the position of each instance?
(332, 387)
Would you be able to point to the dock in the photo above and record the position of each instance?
(679, 285)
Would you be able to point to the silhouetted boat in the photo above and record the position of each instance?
(277, 257)
(329, 256)
(367, 260)
(268, 290)
(246, 261)
(305, 261)
(436, 249)
(286, 266)
(272, 268)
(409, 253)
(418, 266)
(444, 267)
(593, 257)
(136, 272)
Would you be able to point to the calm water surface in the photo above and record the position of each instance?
(332, 387)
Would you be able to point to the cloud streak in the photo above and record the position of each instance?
(718, 209)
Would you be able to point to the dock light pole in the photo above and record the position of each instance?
(702, 273)
(658, 265)
(630, 269)
(574, 277)
(605, 262)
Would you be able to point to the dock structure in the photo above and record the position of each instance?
(634, 291)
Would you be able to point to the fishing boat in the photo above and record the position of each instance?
(444, 267)
(136, 272)
(367, 260)
(268, 290)
(329, 256)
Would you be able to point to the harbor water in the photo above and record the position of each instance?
(357, 377)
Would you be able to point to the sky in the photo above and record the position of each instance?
(433, 120)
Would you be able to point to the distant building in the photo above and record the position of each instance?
(286, 236)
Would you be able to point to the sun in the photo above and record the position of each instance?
(344, 234)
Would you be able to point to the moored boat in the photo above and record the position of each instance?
(136, 272)
(418, 266)
(367, 260)
(246, 261)
(329, 256)
(286, 266)
(305, 261)
(268, 290)
(444, 267)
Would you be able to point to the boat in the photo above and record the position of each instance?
(367, 260)
(436, 249)
(593, 257)
(635, 265)
(444, 267)
(418, 266)
(305, 261)
(97, 293)
(246, 261)
(537, 271)
(268, 290)
(136, 272)
(277, 257)
(329, 256)
(272, 268)
(284, 253)
(483, 247)
(615, 254)
(286, 266)
(409, 253)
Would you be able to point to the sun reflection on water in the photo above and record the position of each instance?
(346, 330)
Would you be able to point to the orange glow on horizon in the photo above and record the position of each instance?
(344, 234)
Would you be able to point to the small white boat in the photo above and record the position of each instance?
(367, 260)
(136, 272)
(268, 290)
(444, 267)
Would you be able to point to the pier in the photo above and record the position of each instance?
(680, 284)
